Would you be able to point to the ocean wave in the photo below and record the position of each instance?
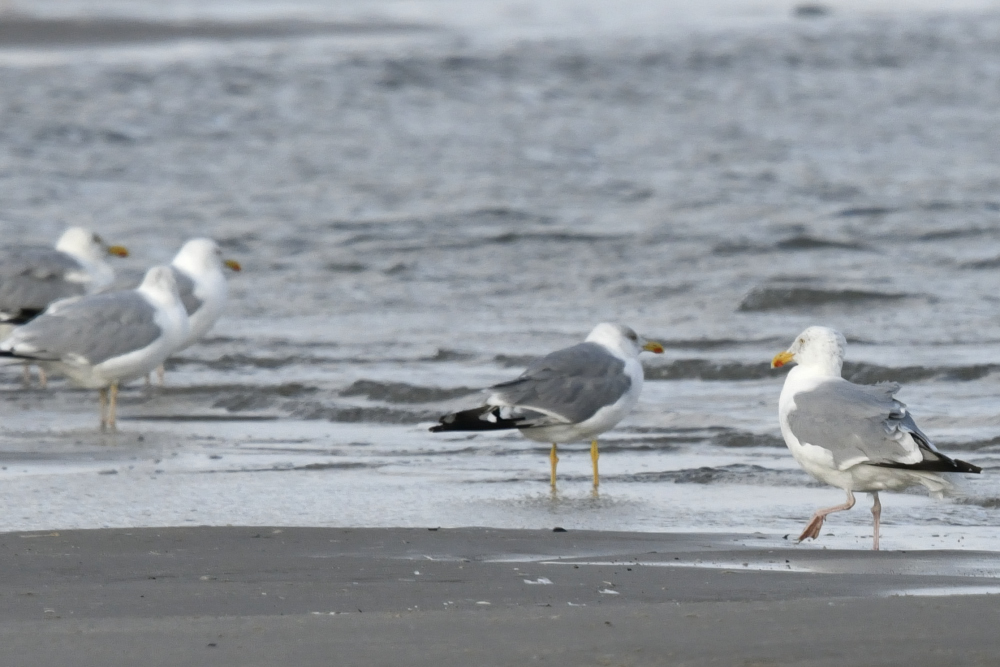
(858, 372)
(357, 414)
(706, 369)
(866, 211)
(793, 243)
(992, 263)
(400, 392)
(737, 473)
(988, 502)
(776, 298)
(747, 439)
(232, 361)
(444, 354)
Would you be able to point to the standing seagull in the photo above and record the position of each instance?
(198, 271)
(32, 277)
(572, 394)
(102, 340)
(856, 437)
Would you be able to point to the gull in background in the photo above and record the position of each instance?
(855, 437)
(32, 277)
(102, 340)
(202, 287)
(573, 394)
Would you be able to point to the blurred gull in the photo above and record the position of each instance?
(856, 437)
(573, 394)
(32, 277)
(102, 340)
(197, 269)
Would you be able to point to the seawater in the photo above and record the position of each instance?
(421, 212)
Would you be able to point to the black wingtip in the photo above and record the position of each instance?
(24, 316)
(962, 466)
(940, 464)
(485, 418)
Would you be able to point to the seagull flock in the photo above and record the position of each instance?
(100, 340)
(55, 312)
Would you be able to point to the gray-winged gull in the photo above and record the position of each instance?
(32, 277)
(856, 437)
(202, 287)
(102, 340)
(573, 394)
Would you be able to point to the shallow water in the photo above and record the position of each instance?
(421, 212)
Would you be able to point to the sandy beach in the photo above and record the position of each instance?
(427, 195)
(311, 596)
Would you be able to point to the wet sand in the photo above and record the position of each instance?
(311, 596)
(18, 30)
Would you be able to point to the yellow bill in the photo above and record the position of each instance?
(781, 359)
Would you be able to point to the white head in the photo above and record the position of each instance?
(622, 339)
(87, 246)
(199, 256)
(159, 285)
(818, 350)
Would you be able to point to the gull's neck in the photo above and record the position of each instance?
(196, 267)
(614, 346)
(818, 369)
(100, 273)
(158, 293)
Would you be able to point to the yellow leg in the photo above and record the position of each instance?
(553, 459)
(103, 393)
(594, 455)
(113, 407)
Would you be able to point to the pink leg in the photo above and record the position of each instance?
(876, 514)
(43, 379)
(812, 530)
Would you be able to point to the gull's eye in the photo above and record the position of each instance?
(97, 239)
(802, 341)
(632, 336)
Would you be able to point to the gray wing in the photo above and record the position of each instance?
(32, 278)
(185, 287)
(96, 328)
(573, 383)
(860, 424)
